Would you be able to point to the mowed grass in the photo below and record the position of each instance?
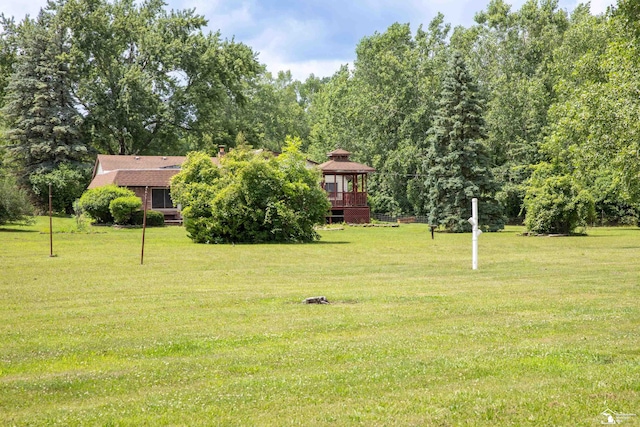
(546, 332)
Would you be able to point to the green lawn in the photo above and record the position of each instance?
(546, 332)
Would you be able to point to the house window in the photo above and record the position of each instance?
(330, 187)
(161, 199)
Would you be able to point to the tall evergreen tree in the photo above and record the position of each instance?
(43, 123)
(7, 52)
(456, 166)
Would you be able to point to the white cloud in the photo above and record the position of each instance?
(300, 70)
(600, 6)
(228, 22)
(18, 9)
(308, 37)
(289, 36)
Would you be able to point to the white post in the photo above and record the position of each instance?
(474, 233)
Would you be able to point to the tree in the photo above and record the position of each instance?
(273, 111)
(14, 203)
(593, 126)
(67, 184)
(147, 78)
(43, 123)
(511, 55)
(629, 12)
(255, 197)
(456, 165)
(382, 109)
(556, 202)
(8, 52)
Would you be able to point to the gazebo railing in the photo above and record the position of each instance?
(348, 199)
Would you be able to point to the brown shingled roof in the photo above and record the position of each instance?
(347, 167)
(136, 171)
(339, 163)
(135, 178)
(112, 163)
(339, 152)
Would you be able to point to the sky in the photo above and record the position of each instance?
(314, 36)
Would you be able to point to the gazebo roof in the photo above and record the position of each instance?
(339, 163)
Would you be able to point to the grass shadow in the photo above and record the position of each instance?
(13, 230)
(322, 242)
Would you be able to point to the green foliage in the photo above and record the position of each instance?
(253, 198)
(8, 52)
(154, 218)
(193, 187)
(273, 112)
(629, 12)
(14, 203)
(556, 203)
(147, 76)
(383, 108)
(456, 166)
(594, 126)
(43, 125)
(560, 88)
(96, 202)
(67, 184)
(122, 208)
(512, 55)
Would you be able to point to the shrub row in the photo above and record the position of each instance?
(112, 204)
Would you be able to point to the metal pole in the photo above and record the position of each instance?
(475, 232)
(50, 222)
(144, 224)
(474, 214)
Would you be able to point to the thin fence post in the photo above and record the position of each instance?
(144, 224)
(50, 222)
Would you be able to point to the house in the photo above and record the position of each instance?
(343, 180)
(140, 172)
(346, 184)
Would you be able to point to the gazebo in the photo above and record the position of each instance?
(346, 184)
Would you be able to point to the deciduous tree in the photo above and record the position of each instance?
(146, 78)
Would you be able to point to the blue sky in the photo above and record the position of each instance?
(314, 36)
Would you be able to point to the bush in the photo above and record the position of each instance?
(95, 202)
(67, 184)
(14, 203)
(253, 198)
(556, 203)
(123, 207)
(154, 218)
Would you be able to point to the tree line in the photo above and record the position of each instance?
(535, 111)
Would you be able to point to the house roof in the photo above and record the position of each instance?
(110, 162)
(135, 178)
(139, 171)
(136, 171)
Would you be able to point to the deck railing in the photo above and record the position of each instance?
(349, 199)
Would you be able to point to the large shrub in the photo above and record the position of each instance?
(555, 203)
(122, 208)
(253, 197)
(96, 201)
(67, 184)
(14, 203)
